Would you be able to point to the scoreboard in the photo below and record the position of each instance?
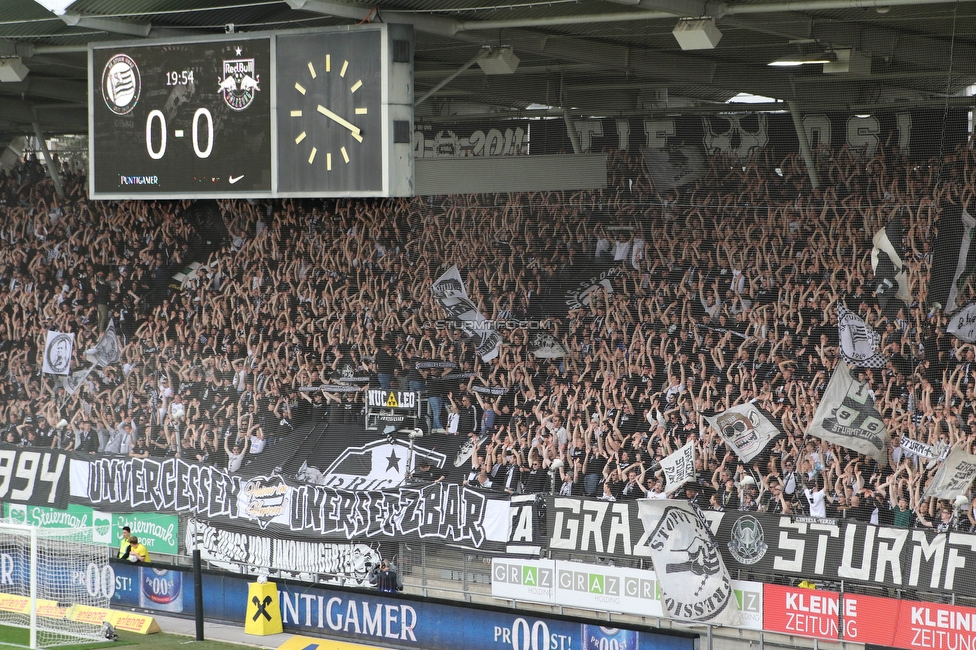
(325, 112)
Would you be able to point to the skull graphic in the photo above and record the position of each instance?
(741, 135)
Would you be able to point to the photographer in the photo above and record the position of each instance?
(384, 577)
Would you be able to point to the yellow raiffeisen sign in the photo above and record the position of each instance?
(127, 621)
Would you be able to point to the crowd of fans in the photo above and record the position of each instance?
(720, 292)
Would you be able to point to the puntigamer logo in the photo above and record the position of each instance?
(537, 580)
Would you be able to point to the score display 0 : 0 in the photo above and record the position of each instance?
(157, 154)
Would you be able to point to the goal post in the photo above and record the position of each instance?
(45, 575)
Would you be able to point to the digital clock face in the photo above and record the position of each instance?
(182, 118)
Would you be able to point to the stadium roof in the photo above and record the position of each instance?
(593, 57)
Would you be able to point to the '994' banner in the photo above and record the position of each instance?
(34, 477)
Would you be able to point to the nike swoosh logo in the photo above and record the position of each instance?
(234, 179)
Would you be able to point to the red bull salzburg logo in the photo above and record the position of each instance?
(239, 83)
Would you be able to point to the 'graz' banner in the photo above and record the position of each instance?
(250, 552)
(34, 477)
(448, 512)
(831, 550)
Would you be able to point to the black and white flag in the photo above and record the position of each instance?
(106, 351)
(954, 476)
(962, 324)
(887, 262)
(450, 293)
(846, 416)
(72, 382)
(545, 346)
(679, 467)
(57, 352)
(673, 167)
(858, 342)
(746, 429)
(953, 258)
(695, 585)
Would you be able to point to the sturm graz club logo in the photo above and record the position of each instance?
(121, 84)
(748, 544)
(239, 83)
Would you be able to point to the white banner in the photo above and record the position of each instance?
(846, 416)
(916, 448)
(954, 476)
(57, 352)
(545, 346)
(962, 324)
(679, 467)
(746, 429)
(106, 351)
(695, 585)
(601, 588)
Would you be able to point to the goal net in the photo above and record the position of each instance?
(47, 577)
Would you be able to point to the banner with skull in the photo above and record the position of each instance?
(746, 429)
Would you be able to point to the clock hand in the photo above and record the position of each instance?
(335, 118)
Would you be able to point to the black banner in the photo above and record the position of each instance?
(915, 133)
(250, 552)
(448, 512)
(34, 477)
(800, 547)
(349, 457)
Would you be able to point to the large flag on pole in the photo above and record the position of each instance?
(887, 262)
(846, 416)
(746, 429)
(57, 352)
(858, 342)
(450, 293)
(954, 257)
(106, 351)
(954, 477)
(695, 585)
(73, 381)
